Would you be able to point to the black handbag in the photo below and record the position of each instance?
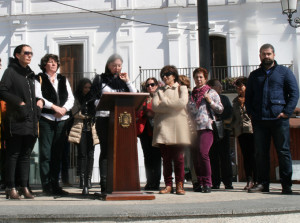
(214, 125)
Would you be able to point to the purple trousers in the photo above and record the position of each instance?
(202, 161)
(171, 154)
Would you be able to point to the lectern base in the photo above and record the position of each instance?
(126, 195)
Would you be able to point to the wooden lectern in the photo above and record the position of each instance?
(123, 181)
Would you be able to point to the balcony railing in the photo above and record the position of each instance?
(225, 74)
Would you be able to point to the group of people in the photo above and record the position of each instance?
(173, 119)
(40, 106)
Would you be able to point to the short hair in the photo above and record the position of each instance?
(45, 60)
(213, 82)
(200, 70)
(111, 59)
(171, 69)
(267, 46)
(184, 80)
(19, 49)
(241, 81)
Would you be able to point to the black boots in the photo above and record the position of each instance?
(90, 172)
(86, 171)
(103, 174)
(87, 184)
(85, 190)
(81, 180)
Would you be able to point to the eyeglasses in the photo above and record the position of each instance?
(166, 74)
(152, 85)
(28, 53)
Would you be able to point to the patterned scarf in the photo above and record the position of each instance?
(198, 94)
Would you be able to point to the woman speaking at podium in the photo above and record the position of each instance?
(112, 80)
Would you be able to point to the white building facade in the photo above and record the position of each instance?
(49, 26)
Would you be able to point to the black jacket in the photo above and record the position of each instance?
(17, 85)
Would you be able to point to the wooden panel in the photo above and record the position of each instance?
(123, 172)
(126, 171)
(241, 172)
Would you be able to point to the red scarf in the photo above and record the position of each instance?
(198, 94)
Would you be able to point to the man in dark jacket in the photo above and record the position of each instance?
(271, 96)
(17, 90)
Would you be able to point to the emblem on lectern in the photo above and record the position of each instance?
(125, 119)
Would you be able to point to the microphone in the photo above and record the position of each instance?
(116, 75)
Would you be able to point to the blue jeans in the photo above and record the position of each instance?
(279, 130)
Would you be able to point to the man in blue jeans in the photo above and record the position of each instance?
(271, 96)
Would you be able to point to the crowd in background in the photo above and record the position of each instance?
(178, 127)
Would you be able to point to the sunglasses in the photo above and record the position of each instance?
(28, 53)
(166, 74)
(152, 85)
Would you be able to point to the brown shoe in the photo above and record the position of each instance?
(25, 191)
(249, 185)
(11, 193)
(166, 190)
(179, 188)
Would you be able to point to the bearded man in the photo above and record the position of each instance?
(271, 96)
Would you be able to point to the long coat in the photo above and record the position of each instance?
(171, 118)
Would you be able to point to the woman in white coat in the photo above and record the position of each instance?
(171, 130)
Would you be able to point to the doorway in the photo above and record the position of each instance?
(218, 57)
(71, 63)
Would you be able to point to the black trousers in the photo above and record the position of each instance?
(220, 160)
(85, 152)
(52, 142)
(102, 127)
(19, 148)
(152, 159)
(246, 142)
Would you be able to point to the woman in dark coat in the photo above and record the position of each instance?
(110, 81)
(23, 109)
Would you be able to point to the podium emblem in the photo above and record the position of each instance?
(125, 119)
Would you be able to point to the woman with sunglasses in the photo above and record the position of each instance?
(171, 131)
(21, 121)
(152, 156)
(203, 103)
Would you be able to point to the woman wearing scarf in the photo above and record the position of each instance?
(203, 102)
(110, 81)
(171, 131)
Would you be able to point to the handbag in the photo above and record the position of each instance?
(218, 129)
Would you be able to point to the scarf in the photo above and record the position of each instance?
(198, 94)
(114, 83)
